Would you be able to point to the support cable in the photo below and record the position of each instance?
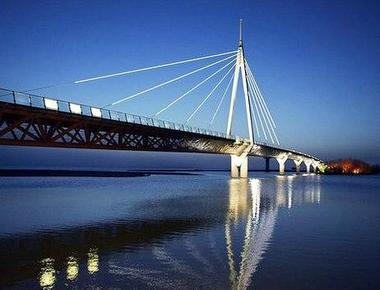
(221, 100)
(261, 96)
(192, 89)
(253, 114)
(168, 82)
(47, 87)
(261, 110)
(266, 117)
(259, 117)
(130, 71)
(255, 87)
(263, 102)
(153, 67)
(209, 95)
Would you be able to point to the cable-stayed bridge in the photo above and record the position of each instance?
(28, 119)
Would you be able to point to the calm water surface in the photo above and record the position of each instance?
(190, 232)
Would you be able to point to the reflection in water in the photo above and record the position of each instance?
(259, 214)
(258, 230)
(297, 193)
(238, 199)
(93, 261)
(290, 192)
(238, 228)
(47, 274)
(72, 268)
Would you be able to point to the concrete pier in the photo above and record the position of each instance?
(239, 166)
(308, 164)
(281, 164)
(298, 165)
(267, 159)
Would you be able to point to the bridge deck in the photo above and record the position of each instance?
(28, 120)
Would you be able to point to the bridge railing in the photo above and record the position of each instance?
(285, 149)
(25, 99)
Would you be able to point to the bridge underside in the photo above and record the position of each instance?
(29, 126)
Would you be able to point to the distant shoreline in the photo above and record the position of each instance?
(108, 173)
(88, 173)
(127, 173)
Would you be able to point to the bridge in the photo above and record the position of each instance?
(28, 119)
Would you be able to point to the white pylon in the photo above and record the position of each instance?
(240, 68)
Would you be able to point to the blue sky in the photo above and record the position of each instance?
(317, 62)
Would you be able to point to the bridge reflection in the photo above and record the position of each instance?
(239, 242)
(247, 204)
(257, 210)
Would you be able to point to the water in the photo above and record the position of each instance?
(185, 232)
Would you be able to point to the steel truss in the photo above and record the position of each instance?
(27, 126)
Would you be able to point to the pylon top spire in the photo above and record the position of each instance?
(241, 33)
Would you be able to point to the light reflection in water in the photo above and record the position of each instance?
(72, 268)
(93, 261)
(312, 193)
(281, 198)
(316, 189)
(251, 210)
(238, 207)
(290, 191)
(47, 274)
(238, 199)
(258, 230)
(259, 219)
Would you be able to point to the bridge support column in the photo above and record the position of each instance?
(308, 163)
(239, 166)
(298, 166)
(281, 164)
(315, 167)
(267, 159)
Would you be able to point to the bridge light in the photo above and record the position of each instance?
(95, 112)
(51, 104)
(75, 108)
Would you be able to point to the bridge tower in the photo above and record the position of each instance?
(239, 164)
(240, 69)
